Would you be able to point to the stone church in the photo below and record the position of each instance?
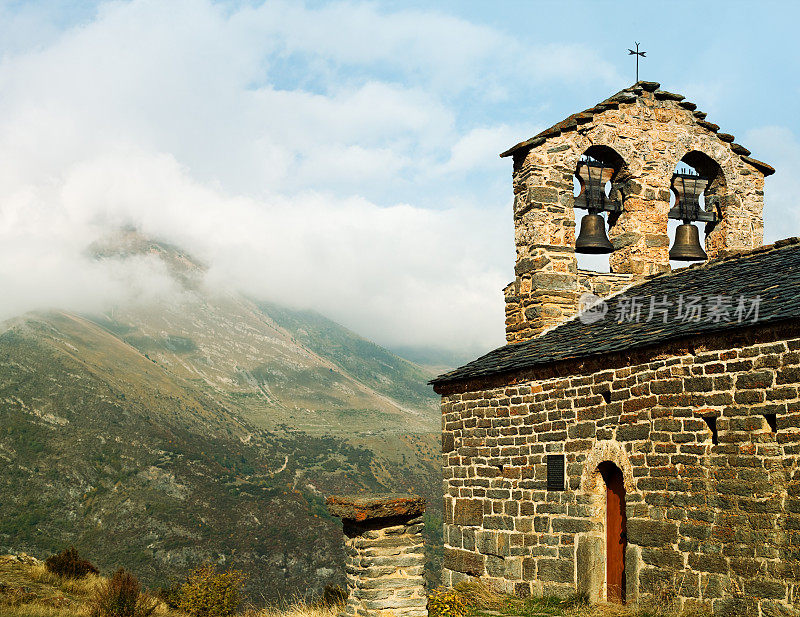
(638, 437)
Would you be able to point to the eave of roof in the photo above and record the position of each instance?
(771, 272)
(630, 95)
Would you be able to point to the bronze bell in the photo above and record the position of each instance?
(592, 238)
(687, 244)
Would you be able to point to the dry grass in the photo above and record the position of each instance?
(296, 608)
(487, 602)
(602, 610)
(36, 609)
(616, 610)
(549, 606)
(72, 586)
(481, 596)
(28, 589)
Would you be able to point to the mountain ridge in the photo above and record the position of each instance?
(157, 436)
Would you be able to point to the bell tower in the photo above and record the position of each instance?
(633, 140)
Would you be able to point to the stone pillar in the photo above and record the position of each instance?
(640, 235)
(385, 558)
(545, 289)
(742, 224)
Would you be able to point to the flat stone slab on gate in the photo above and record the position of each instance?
(384, 554)
(382, 505)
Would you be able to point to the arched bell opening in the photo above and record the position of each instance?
(598, 202)
(696, 189)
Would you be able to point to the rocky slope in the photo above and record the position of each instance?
(205, 426)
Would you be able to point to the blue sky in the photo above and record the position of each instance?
(339, 156)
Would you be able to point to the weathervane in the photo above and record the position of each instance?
(637, 53)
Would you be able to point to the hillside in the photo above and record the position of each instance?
(204, 427)
(29, 589)
(372, 365)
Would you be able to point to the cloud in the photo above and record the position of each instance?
(45, 262)
(446, 53)
(567, 62)
(364, 265)
(781, 214)
(338, 157)
(479, 148)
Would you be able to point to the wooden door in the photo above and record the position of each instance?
(616, 538)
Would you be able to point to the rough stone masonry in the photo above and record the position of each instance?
(712, 524)
(384, 554)
(643, 133)
(699, 417)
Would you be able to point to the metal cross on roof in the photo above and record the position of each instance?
(637, 53)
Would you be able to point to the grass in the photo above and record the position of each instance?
(299, 608)
(28, 589)
(482, 601)
(26, 584)
(578, 607)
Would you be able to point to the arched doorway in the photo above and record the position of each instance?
(616, 532)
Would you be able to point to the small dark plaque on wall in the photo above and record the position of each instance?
(555, 472)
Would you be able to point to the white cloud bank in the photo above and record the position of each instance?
(319, 157)
(781, 211)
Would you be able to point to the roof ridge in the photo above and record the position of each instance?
(734, 254)
(704, 265)
(711, 263)
(630, 95)
(769, 281)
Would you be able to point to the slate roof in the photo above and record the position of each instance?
(771, 273)
(629, 95)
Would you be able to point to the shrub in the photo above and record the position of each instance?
(444, 602)
(479, 595)
(333, 596)
(464, 599)
(208, 593)
(170, 595)
(69, 564)
(121, 596)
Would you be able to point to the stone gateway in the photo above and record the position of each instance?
(385, 556)
(650, 451)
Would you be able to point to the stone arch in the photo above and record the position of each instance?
(613, 452)
(608, 155)
(622, 173)
(710, 151)
(736, 191)
(710, 169)
(591, 546)
(715, 193)
(706, 166)
(614, 161)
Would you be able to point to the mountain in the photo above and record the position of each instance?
(436, 359)
(203, 426)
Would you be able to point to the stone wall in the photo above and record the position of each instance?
(603, 284)
(384, 554)
(644, 133)
(710, 524)
(530, 314)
